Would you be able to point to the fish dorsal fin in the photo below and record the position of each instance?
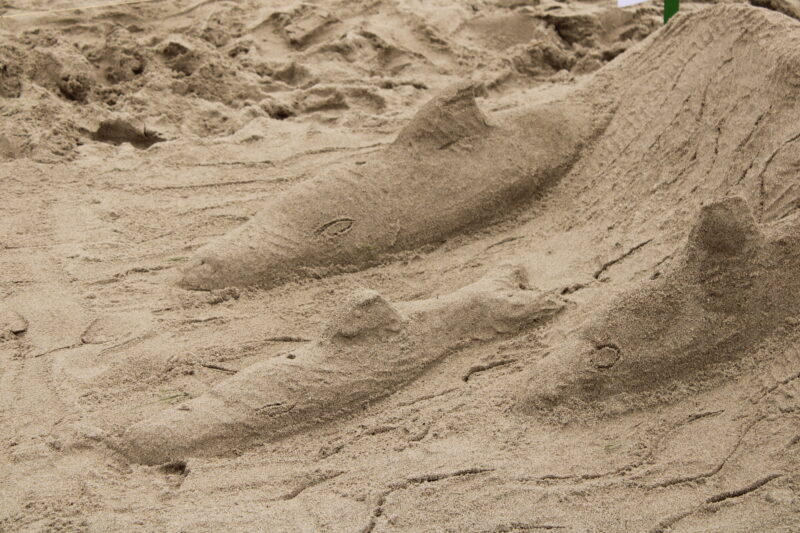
(365, 314)
(725, 229)
(507, 276)
(449, 117)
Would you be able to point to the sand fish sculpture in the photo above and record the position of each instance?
(448, 171)
(734, 283)
(369, 350)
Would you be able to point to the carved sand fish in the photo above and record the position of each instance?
(734, 284)
(448, 171)
(369, 350)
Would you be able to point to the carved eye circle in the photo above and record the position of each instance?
(605, 356)
(336, 227)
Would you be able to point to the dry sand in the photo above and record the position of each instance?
(411, 266)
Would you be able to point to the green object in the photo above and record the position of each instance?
(670, 8)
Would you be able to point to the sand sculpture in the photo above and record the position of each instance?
(450, 169)
(734, 284)
(369, 350)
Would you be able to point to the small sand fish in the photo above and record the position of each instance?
(368, 351)
(448, 171)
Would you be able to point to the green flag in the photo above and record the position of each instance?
(670, 8)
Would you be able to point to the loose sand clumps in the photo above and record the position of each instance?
(731, 288)
(449, 170)
(368, 351)
(207, 69)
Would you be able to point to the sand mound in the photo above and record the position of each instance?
(713, 122)
(790, 8)
(369, 349)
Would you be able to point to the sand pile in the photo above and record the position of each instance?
(709, 123)
(306, 165)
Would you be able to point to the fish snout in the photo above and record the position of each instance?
(203, 272)
(146, 443)
(571, 374)
(521, 307)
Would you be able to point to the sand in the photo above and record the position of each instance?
(373, 266)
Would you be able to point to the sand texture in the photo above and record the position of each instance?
(399, 266)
